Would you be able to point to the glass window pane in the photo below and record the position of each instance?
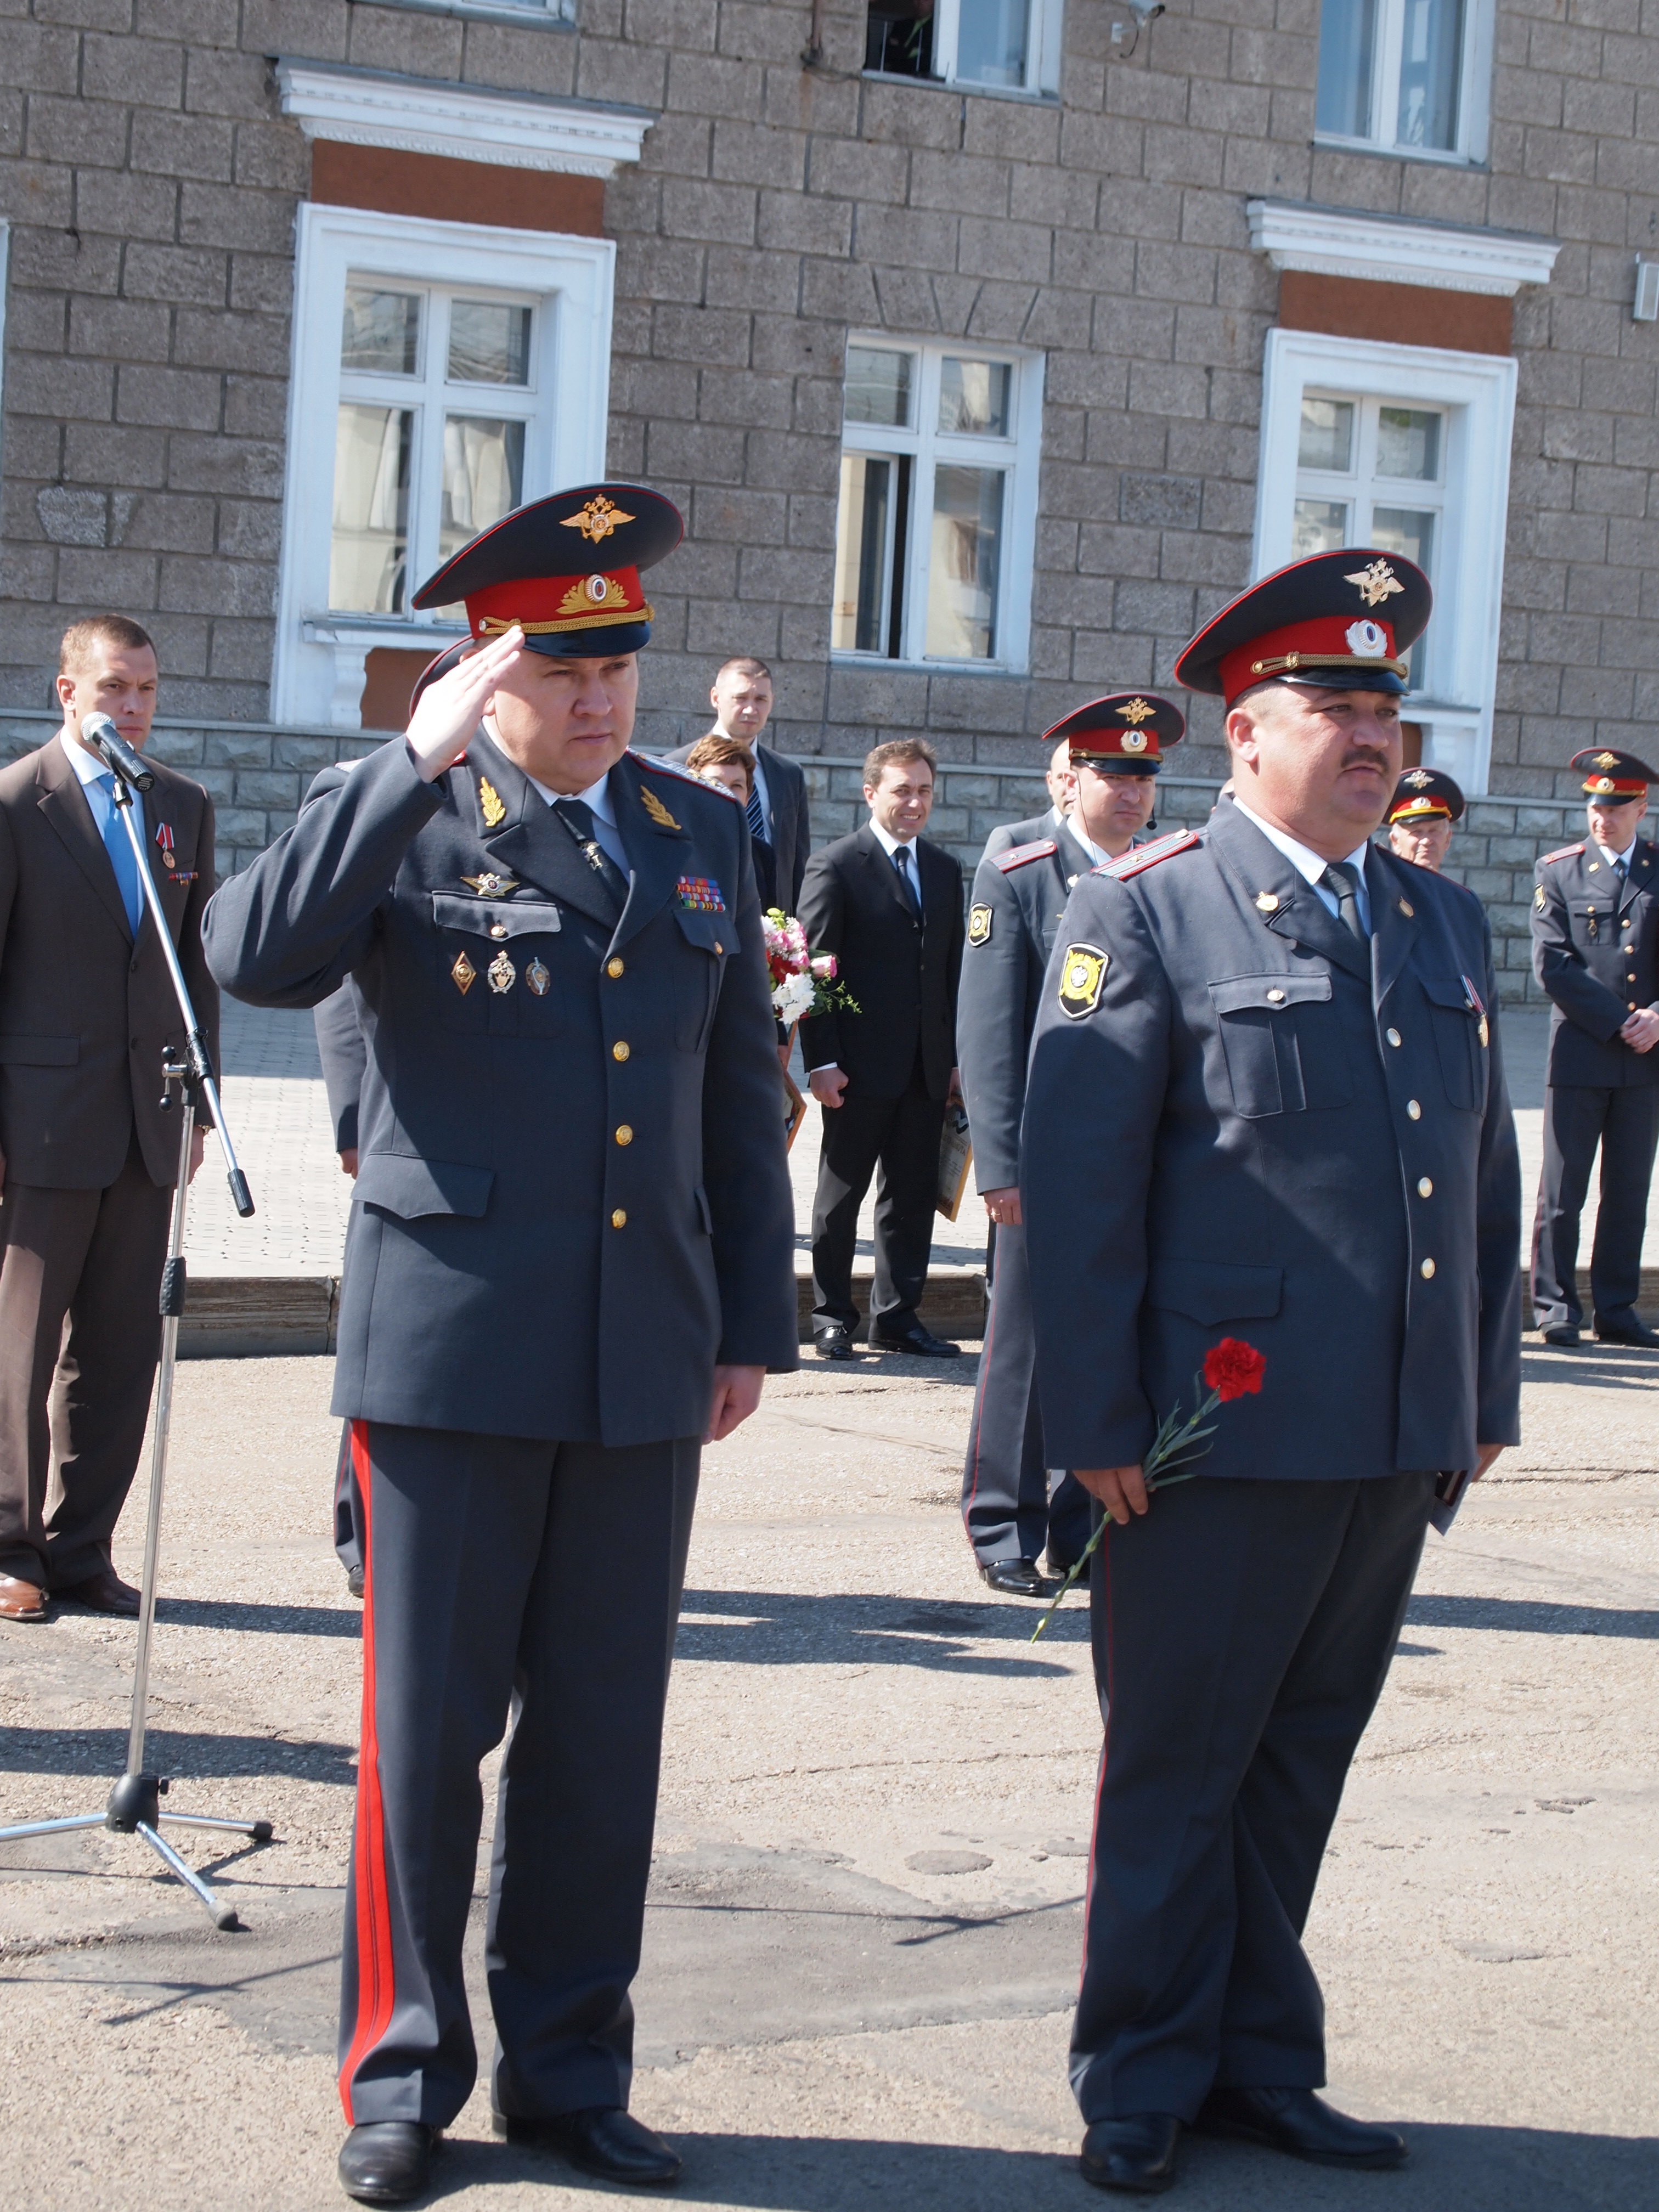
(973, 397)
(879, 386)
(488, 343)
(1347, 31)
(965, 556)
(1407, 531)
(382, 331)
(370, 549)
(1326, 439)
(483, 476)
(1319, 526)
(1431, 68)
(898, 37)
(857, 622)
(1408, 444)
(991, 41)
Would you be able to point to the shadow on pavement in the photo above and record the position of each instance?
(102, 1753)
(1597, 1366)
(1533, 1616)
(771, 1628)
(270, 1619)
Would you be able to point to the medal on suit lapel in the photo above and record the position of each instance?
(463, 975)
(164, 839)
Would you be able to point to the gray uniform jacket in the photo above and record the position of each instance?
(1251, 1125)
(1019, 899)
(345, 1056)
(1007, 835)
(572, 1197)
(1595, 953)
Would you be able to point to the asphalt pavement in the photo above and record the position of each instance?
(862, 1943)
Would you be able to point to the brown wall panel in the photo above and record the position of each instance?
(388, 678)
(1396, 314)
(455, 191)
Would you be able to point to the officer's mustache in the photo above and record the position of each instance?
(1367, 757)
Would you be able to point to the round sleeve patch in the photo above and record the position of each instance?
(979, 925)
(1082, 972)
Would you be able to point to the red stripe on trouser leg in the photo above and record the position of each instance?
(372, 1908)
(1105, 1747)
(979, 1401)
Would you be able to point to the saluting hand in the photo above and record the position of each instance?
(440, 728)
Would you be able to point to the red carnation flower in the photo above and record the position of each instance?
(1232, 1368)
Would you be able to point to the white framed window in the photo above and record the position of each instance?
(936, 529)
(995, 46)
(443, 374)
(1408, 76)
(1407, 449)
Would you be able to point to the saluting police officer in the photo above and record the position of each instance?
(569, 1264)
(1425, 803)
(1596, 951)
(1113, 748)
(1266, 1102)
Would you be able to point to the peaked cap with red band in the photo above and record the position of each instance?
(1344, 621)
(1126, 733)
(565, 570)
(1613, 776)
(1425, 794)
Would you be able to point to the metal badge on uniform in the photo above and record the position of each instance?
(489, 804)
(164, 839)
(537, 977)
(489, 884)
(700, 895)
(979, 925)
(463, 974)
(502, 973)
(1266, 901)
(1082, 972)
(655, 807)
(1538, 898)
(1477, 1006)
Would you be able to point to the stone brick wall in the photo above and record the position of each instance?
(151, 185)
(258, 772)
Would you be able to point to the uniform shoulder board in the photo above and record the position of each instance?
(1141, 857)
(1018, 855)
(1566, 852)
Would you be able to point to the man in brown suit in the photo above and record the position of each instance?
(88, 1160)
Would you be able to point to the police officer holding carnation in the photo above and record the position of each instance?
(569, 1265)
(1265, 1105)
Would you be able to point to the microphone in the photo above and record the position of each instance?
(115, 752)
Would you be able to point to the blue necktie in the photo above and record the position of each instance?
(902, 862)
(757, 820)
(116, 844)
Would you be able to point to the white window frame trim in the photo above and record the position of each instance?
(1024, 447)
(460, 123)
(1473, 132)
(1046, 30)
(1476, 391)
(318, 672)
(1336, 242)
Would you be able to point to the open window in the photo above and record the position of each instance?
(1003, 46)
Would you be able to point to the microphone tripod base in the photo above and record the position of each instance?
(134, 1809)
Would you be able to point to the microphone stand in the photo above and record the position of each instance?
(134, 1806)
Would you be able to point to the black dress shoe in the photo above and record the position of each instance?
(1304, 2125)
(600, 2140)
(387, 2161)
(916, 1341)
(103, 1592)
(833, 1343)
(1015, 1577)
(1137, 2153)
(1563, 1332)
(1626, 1330)
(1057, 1569)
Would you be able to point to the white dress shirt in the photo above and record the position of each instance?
(1613, 858)
(1311, 866)
(597, 799)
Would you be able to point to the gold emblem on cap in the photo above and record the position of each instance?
(463, 974)
(1601, 783)
(655, 807)
(591, 592)
(1376, 583)
(490, 802)
(1137, 711)
(1607, 760)
(1082, 972)
(979, 925)
(502, 973)
(489, 884)
(536, 976)
(1419, 779)
(1133, 741)
(1266, 901)
(598, 520)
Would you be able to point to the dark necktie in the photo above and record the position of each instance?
(757, 819)
(901, 865)
(1621, 869)
(577, 817)
(1341, 879)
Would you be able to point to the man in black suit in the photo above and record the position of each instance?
(741, 696)
(888, 904)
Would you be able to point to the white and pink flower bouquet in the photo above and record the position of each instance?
(803, 982)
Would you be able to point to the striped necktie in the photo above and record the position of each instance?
(757, 819)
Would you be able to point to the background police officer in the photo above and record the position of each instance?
(1424, 806)
(1264, 1100)
(1596, 951)
(1113, 749)
(569, 1264)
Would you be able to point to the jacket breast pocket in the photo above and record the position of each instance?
(712, 939)
(498, 965)
(1457, 1032)
(1592, 923)
(1283, 1045)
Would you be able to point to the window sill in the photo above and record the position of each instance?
(964, 87)
(1329, 143)
(371, 630)
(556, 16)
(925, 667)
